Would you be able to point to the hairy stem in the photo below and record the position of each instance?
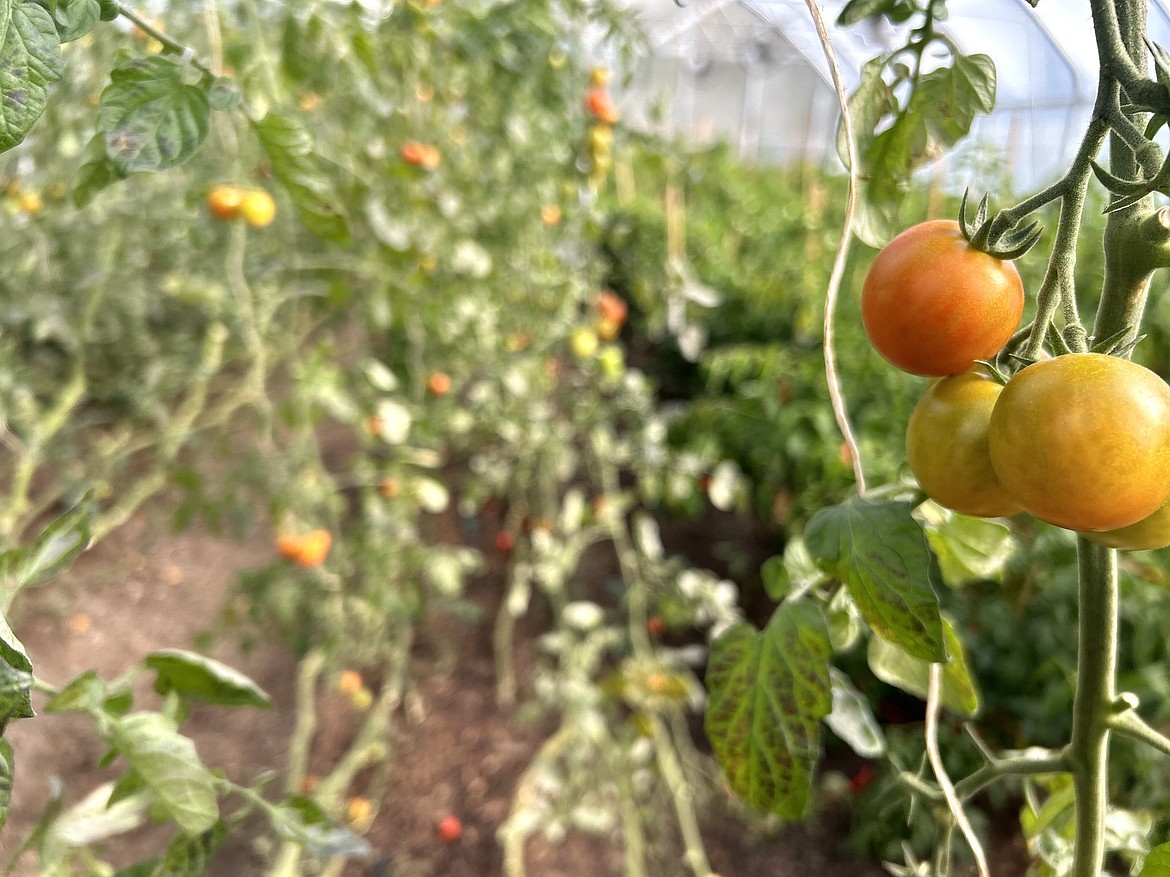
(1093, 707)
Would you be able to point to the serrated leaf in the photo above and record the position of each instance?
(769, 691)
(949, 98)
(203, 679)
(852, 720)
(301, 820)
(880, 552)
(895, 667)
(968, 549)
(289, 147)
(169, 764)
(7, 774)
(50, 552)
(30, 60)
(75, 18)
(151, 117)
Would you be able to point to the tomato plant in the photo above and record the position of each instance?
(947, 448)
(932, 304)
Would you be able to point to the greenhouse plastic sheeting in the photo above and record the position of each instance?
(753, 72)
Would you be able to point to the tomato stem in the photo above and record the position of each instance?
(1093, 707)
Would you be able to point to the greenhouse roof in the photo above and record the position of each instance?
(1045, 57)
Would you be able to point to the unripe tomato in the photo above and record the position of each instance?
(1083, 441)
(932, 304)
(1147, 534)
(606, 329)
(584, 343)
(32, 203)
(258, 208)
(946, 446)
(599, 76)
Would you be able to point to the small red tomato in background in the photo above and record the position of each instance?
(505, 541)
(450, 829)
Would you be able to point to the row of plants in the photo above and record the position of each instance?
(423, 297)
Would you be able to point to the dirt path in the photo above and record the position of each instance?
(146, 588)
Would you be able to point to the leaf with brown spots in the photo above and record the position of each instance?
(769, 691)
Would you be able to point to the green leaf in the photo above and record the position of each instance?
(109, 9)
(871, 102)
(50, 552)
(1157, 863)
(74, 18)
(852, 719)
(289, 147)
(222, 94)
(152, 119)
(190, 856)
(169, 764)
(769, 691)
(30, 59)
(968, 549)
(204, 679)
(85, 692)
(7, 773)
(16, 678)
(949, 98)
(859, 10)
(301, 820)
(794, 570)
(95, 173)
(895, 667)
(879, 551)
(95, 818)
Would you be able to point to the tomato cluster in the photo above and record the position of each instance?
(599, 144)
(1081, 441)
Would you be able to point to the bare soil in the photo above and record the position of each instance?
(146, 588)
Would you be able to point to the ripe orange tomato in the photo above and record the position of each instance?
(932, 304)
(223, 201)
(308, 550)
(601, 105)
(439, 383)
(420, 155)
(350, 682)
(258, 208)
(1147, 534)
(611, 307)
(1083, 441)
(946, 446)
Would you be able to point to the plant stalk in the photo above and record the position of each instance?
(1093, 707)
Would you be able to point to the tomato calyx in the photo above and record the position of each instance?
(984, 235)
